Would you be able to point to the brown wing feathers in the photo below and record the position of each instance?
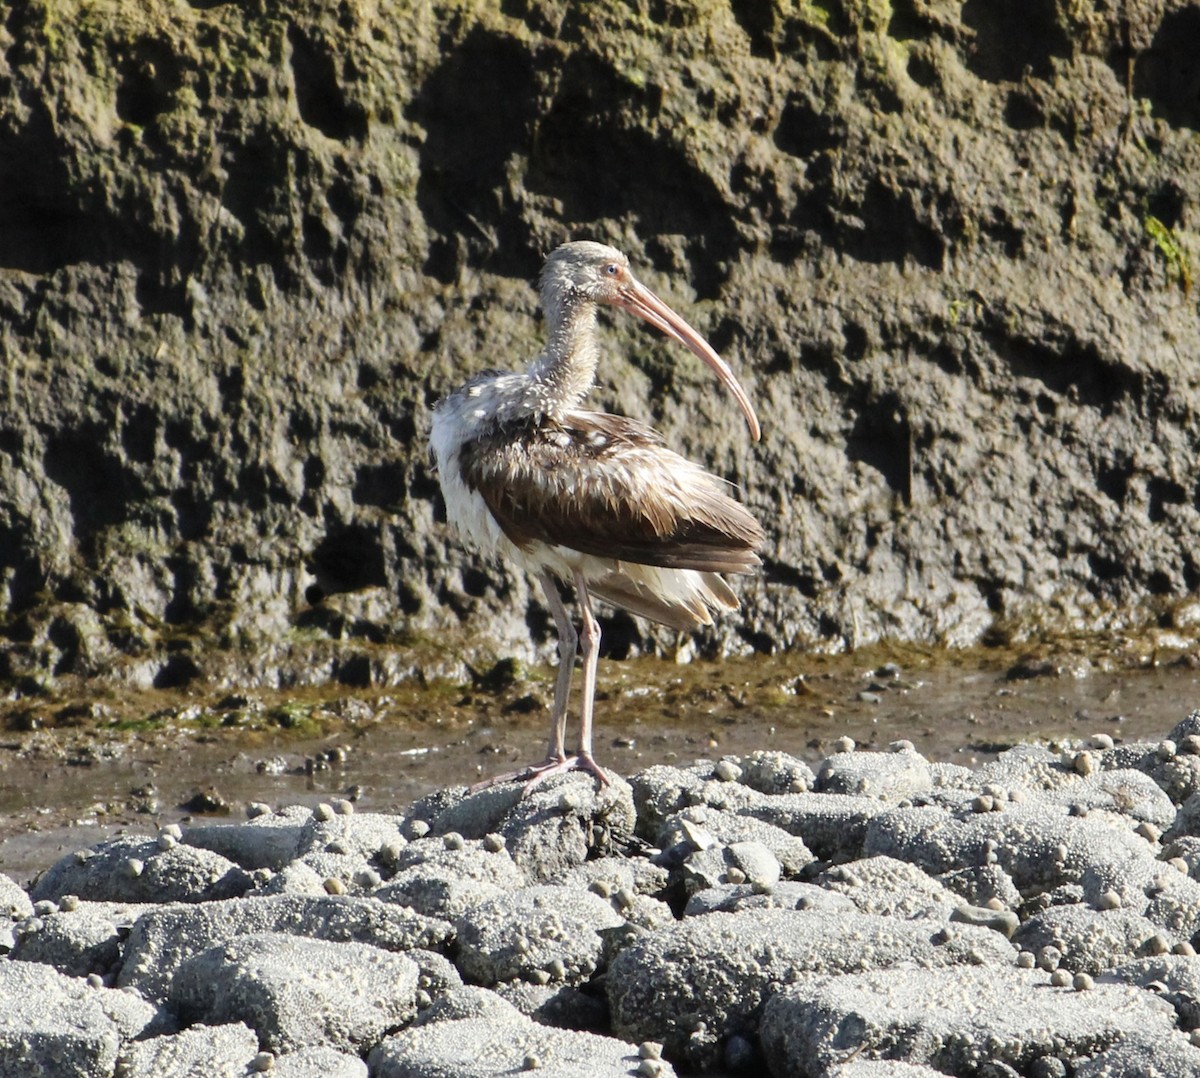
(607, 486)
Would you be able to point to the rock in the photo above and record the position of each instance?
(130, 869)
(270, 840)
(1166, 1056)
(54, 1024)
(297, 993)
(889, 887)
(558, 937)
(486, 1048)
(787, 895)
(790, 853)
(85, 939)
(1089, 940)
(318, 1062)
(694, 985)
(222, 1051)
(14, 902)
(888, 776)
(834, 828)
(959, 1020)
(162, 939)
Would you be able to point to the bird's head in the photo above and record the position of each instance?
(589, 272)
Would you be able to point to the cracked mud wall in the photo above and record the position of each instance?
(948, 247)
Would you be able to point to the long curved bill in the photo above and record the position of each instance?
(636, 298)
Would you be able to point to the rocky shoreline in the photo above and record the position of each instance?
(877, 915)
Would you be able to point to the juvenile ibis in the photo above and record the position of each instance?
(587, 498)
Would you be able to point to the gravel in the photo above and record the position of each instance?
(741, 917)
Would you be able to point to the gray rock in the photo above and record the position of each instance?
(560, 1005)
(742, 862)
(162, 939)
(85, 939)
(661, 791)
(14, 902)
(443, 881)
(888, 776)
(1090, 940)
(318, 1062)
(981, 883)
(129, 869)
(543, 931)
(726, 828)
(270, 840)
(295, 992)
(1039, 846)
(224, 1051)
(638, 874)
(956, 1020)
(786, 895)
(776, 773)
(1176, 978)
(889, 887)
(833, 827)
(59, 1025)
(483, 1047)
(1163, 1056)
(693, 986)
(565, 821)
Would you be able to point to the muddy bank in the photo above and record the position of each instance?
(241, 250)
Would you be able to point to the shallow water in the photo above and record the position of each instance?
(77, 768)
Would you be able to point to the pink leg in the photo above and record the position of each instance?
(557, 761)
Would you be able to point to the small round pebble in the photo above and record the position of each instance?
(1110, 900)
(323, 812)
(1184, 948)
(343, 807)
(68, 903)
(1104, 742)
(264, 1061)
(44, 907)
(452, 840)
(903, 745)
(727, 771)
(650, 1050)
(651, 1068)
(983, 803)
(1082, 982)
(1166, 749)
(1026, 960)
(1194, 1037)
(367, 878)
(334, 886)
(570, 801)
(1060, 978)
(256, 809)
(133, 867)
(1157, 944)
(844, 744)
(167, 842)
(1148, 831)
(94, 980)
(493, 842)
(418, 828)
(1049, 957)
(532, 1062)
(603, 888)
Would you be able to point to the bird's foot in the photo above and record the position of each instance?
(552, 765)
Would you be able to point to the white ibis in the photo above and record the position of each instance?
(589, 498)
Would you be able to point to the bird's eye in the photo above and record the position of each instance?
(612, 269)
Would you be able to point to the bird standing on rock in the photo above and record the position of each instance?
(592, 499)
